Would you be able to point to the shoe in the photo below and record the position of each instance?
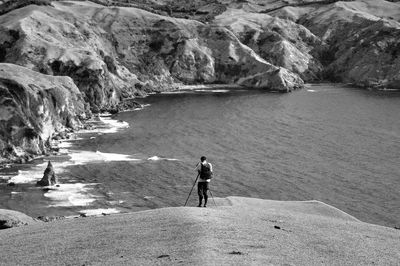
(205, 206)
(199, 205)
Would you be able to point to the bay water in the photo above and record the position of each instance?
(328, 142)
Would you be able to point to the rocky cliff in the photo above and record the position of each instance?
(114, 50)
(32, 107)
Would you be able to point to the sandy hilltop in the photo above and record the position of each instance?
(240, 231)
(111, 51)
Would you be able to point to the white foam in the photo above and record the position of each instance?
(116, 202)
(64, 144)
(208, 90)
(176, 92)
(64, 151)
(4, 177)
(77, 158)
(29, 176)
(156, 158)
(106, 125)
(67, 195)
(311, 90)
(139, 108)
(105, 114)
(113, 125)
(84, 157)
(95, 212)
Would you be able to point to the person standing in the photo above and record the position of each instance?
(205, 171)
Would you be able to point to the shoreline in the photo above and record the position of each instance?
(197, 88)
(65, 156)
(65, 193)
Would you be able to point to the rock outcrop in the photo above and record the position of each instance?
(9, 219)
(32, 107)
(49, 177)
(361, 40)
(279, 41)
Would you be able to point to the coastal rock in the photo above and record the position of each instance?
(47, 219)
(279, 41)
(9, 219)
(361, 40)
(49, 177)
(33, 106)
(278, 80)
(116, 53)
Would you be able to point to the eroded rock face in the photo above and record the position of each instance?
(278, 41)
(361, 40)
(115, 53)
(49, 177)
(32, 107)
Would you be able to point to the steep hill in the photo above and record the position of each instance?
(120, 49)
(33, 107)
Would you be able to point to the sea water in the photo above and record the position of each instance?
(332, 143)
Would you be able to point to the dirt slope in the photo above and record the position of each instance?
(241, 231)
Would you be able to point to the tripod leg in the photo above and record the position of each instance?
(191, 189)
(212, 198)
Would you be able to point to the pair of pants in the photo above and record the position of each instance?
(202, 188)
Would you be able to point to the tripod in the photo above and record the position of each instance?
(212, 197)
(192, 190)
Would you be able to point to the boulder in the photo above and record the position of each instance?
(49, 177)
(9, 219)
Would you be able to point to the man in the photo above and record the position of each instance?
(205, 171)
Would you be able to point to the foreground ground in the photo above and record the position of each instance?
(240, 231)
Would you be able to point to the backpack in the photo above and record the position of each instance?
(205, 172)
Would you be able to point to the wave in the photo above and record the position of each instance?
(85, 157)
(156, 158)
(69, 195)
(113, 125)
(104, 124)
(210, 90)
(29, 176)
(192, 91)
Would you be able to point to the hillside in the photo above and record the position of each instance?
(240, 231)
(117, 50)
